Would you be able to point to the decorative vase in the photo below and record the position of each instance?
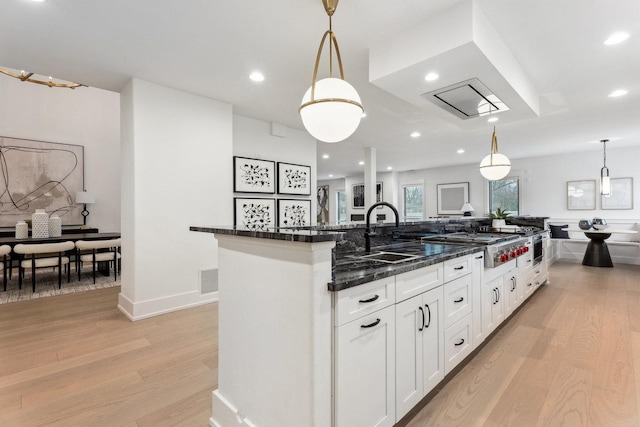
(599, 223)
(22, 230)
(585, 224)
(497, 223)
(55, 226)
(40, 224)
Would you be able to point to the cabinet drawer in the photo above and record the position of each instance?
(416, 282)
(457, 299)
(457, 267)
(457, 343)
(359, 301)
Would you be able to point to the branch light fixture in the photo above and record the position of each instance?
(331, 109)
(26, 76)
(495, 166)
(605, 182)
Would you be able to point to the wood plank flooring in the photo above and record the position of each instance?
(569, 357)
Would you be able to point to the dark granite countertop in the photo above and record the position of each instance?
(352, 270)
(288, 234)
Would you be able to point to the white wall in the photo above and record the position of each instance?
(253, 138)
(177, 172)
(84, 116)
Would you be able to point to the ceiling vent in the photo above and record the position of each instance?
(467, 99)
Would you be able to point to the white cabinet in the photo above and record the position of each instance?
(419, 348)
(511, 284)
(457, 299)
(365, 371)
(358, 301)
(418, 281)
(476, 285)
(492, 305)
(457, 343)
(457, 267)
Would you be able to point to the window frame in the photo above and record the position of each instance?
(404, 205)
(517, 177)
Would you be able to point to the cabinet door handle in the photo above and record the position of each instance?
(529, 284)
(498, 292)
(372, 299)
(479, 257)
(429, 315)
(458, 268)
(458, 300)
(421, 327)
(459, 343)
(370, 325)
(495, 296)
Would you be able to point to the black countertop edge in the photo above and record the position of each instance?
(369, 275)
(287, 234)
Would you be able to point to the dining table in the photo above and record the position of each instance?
(597, 253)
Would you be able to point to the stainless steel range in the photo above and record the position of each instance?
(499, 248)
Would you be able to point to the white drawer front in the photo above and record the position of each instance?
(457, 343)
(457, 299)
(457, 267)
(416, 282)
(361, 300)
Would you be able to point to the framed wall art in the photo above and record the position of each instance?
(294, 213)
(254, 214)
(621, 194)
(451, 197)
(294, 179)
(323, 204)
(40, 175)
(581, 195)
(253, 175)
(357, 195)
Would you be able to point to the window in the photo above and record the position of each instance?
(413, 202)
(505, 194)
(341, 207)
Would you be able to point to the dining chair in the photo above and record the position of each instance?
(95, 251)
(39, 255)
(5, 250)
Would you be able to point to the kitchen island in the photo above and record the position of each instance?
(279, 297)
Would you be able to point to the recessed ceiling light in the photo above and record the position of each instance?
(415, 134)
(389, 168)
(363, 115)
(431, 76)
(616, 38)
(325, 156)
(330, 175)
(618, 92)
(493, 119)
(460, 151)
(256, 76)
(361, 162)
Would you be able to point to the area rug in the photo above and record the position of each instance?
(47, 285)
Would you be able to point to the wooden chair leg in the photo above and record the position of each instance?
(33, 275)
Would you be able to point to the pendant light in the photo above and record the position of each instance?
(605, 183)
(331, 108)
(495, 166)
(26, 76)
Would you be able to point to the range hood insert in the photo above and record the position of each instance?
(467, 99)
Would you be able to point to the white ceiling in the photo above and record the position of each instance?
(210, 47)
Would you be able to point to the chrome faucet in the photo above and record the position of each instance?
(367, 231)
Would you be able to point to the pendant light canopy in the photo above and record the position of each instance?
(495, 166)
(605, 183)
(331, 108)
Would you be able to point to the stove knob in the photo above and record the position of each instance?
(504, 258)
(513, 254)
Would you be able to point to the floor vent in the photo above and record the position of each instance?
(209, 281)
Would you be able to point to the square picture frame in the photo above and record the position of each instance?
(621, 194)
(294, 179)
(581, 195)
(255, 214)
(451, 197)
(357, 195)
(294, 213)
(253, 175)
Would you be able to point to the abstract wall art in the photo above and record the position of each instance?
(40, 175)
(253, 175)
(294, 179)
(255, 214)
(294, 213)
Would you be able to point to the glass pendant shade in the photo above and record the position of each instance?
(495, 166)
(605, 182)
(335, 113)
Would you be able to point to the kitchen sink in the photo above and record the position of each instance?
(389, 257)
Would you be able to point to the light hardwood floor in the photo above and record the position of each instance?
(569, 357)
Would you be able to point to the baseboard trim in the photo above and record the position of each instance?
(156, 307)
